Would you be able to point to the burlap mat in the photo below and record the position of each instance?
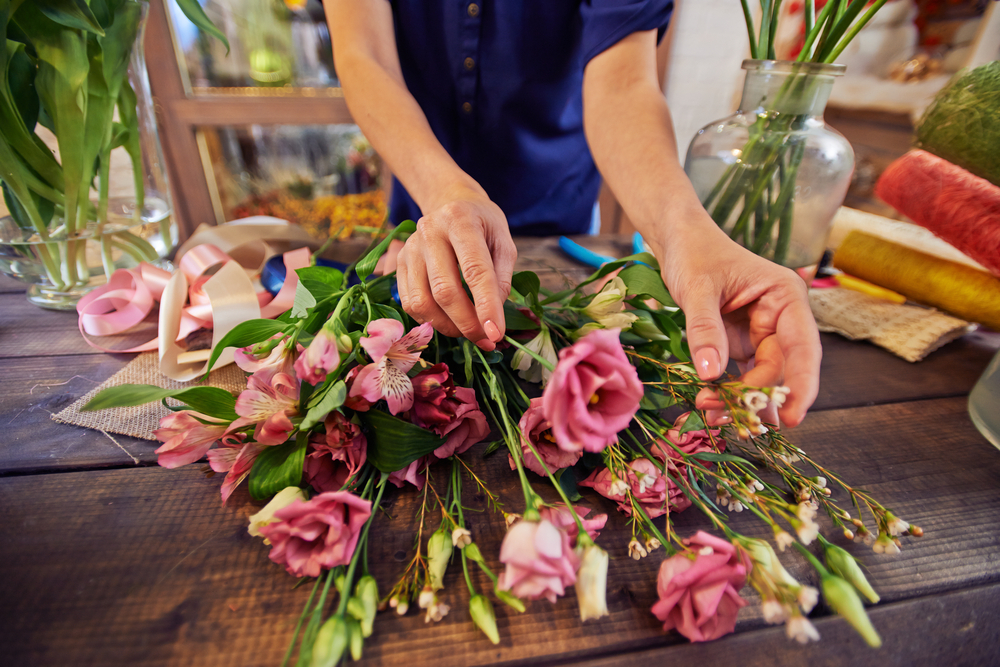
(910, 332)
(140, 421)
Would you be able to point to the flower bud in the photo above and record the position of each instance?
(844, 600)
(402, 607)
(592, 582)
(282, 499)
(481, 610)
(472, 552)
(427, 598)
(344, 344)
(330, 643)
(846, 567)
(356, 639)
(509, 599)
(367, 592)
(439, 548)
(764, 558)
(646, 327)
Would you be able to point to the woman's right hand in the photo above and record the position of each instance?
(464, 236)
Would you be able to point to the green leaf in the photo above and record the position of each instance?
(567, 480)
(278, 467)
(692, 423)
(332, 399)
(304, 300)
(516, 320)
(246, 333)
(393, 443)
(492, 447)
(655, 399)
(386, 311)
(678, 346)
(526, 282)
(211, 401)
(70, 13)
(643, 257)
(192, 9)
(729, 458)
(367, 263)
(644, 281)
(321, 281)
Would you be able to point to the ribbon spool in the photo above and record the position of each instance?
(211, 289)
(959, 289)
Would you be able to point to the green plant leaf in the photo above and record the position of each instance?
(332, 399)
(716, 458)
(516, 320)
(246, 333)
(567, 480)
(278, 467)
(393, 443)
(321, 281)
(643, 257)
(211, 401)
(386, 311)
(70, 13)
(366, 264)
(692, 423)
(526, 282)
(193, 11)
(644, 281)
(304, 300)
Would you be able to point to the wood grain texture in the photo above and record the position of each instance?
(29, 331)
(144, 565)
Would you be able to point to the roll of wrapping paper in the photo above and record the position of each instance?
(958, 289)
(957, 206)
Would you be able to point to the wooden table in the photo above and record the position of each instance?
(106, 558)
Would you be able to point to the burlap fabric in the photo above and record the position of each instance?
(910, 332)
(140, 421)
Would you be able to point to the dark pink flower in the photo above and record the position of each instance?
(356, 403)
(593, 394)
(648, 485)
(691, 442)
(413, 474)
(699, 589)
(534, 427)
(320, 358)
(539, 560)
(186, 439)
(321, 533)
(466, 428)
(280, 358)
(393, 355)
(431, 390)
(561, 517)
(268, 401)
(335, 456)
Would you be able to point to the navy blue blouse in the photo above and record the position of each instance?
(501, 84)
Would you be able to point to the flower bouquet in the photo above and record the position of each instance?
(347, 396)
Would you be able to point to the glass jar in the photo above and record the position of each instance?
(773, 175)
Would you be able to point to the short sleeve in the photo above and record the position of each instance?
(607, 22)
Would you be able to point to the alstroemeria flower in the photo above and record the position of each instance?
(320, 533)
(699, 597)
(268, 401)
(279, 359)
(393, 355)
(593, 394)
(535, 428)
(539, 560)
(607, 308)
(527, 366)
(320, 358)
(235, 458)
(186, 439)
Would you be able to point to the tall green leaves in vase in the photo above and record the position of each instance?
(64, 66)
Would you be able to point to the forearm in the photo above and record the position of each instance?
(631, 137)
(389, 116)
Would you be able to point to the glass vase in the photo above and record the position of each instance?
(773, 174)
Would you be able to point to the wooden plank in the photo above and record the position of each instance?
(32, 389)
(27, 330)
(143, 565)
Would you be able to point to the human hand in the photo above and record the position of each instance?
(741, 306)
(466, 236)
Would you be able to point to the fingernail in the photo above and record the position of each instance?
(486, 345)
(491, 330)
(708, 363)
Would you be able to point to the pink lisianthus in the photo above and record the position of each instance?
(320, 358)
(466, 428)
(649, 487)
(280, 358)
(691, 442)
(539, 558)
(431, 390)
(413, 474)
(321, 533)
(334, 457)
(593, 394)
(393, 355)
(534, 427)
(699, 589)
(561, 517)
(235, 458)
(186, 438)
(269, 400)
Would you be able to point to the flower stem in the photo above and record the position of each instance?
(537, 357)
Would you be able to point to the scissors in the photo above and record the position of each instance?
(591, 258)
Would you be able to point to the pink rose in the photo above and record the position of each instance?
(699, 596)
(539, 560)
(320, 358)
(536, 429)
(466, 428)
(593, 394)
(333, 458)
(649, 487)
(185, 438)
(320, 533)
(561, 517)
